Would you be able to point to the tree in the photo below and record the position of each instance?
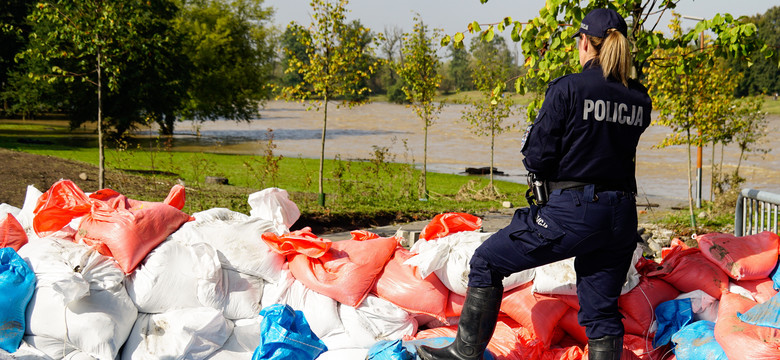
(90, 41)
(332, 50)
(459, 70)
(420, 73)
(486, 115)
(294, 44)
(12, 40)
(763, 76)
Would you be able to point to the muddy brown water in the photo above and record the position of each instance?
(353, 133)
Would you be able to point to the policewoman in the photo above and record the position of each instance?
(580, 151)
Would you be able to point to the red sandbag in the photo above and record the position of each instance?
(347, 271)
(449, 223)
(571, 326)
(761, 289)
(361, 235)
(402, 285)
(742, 258)
(536, 312)
(12, 233)
(454, 304)
(128, 230)
(740, 340)
(675, 243)
(638, 305)
(688, 270)
(301, 241)
(63, 202)
(640, 348)
(176, 197)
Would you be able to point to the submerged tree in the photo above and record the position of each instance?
(330, 70)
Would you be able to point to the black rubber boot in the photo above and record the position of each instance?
(475, 327)
(605, 348)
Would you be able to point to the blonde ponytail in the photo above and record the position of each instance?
(614, 55)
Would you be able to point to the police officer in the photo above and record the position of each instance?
(582, 145)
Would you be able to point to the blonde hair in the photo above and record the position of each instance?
(614, 55)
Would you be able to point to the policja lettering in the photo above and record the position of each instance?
(612, 112)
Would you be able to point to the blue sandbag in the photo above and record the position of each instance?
(765, 314)
(696, 341)
(407, 350)
(671, 316)
(17, 284)
(775, 276)
(287, 335)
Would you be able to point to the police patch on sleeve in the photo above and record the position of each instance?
(525, 137)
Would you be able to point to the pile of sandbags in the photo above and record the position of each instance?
(117, 278)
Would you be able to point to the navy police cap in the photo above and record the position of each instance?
(598, 21)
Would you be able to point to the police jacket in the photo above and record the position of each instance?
(588, 129)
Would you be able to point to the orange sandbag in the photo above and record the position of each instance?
(449, 223)
(454, 304)
(638, 305)
(741, 340)
(301, 241)
(536, 312)
(571, 326)
(675, 243)
(347, 271)
(761, 289)
(128, 232)
(360, 235)
(402, 285)
(12, 233)
(63, 202)
(640, 348)
(688, 270)
(176, 197)
(742, 258)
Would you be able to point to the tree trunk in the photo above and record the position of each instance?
(492, 151)
(425, 161)
(690, 181)
(101, 155)
(712, 171)
(321, 194)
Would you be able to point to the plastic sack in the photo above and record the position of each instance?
(766, 314)
(449, 223)
(55, 208)
(638, 305)
(274, 204)
(696, 341)
(193, 333)
(176, 197)
(376, 319)
(297, 242)
(676, 242)
(536, 312)
(237, 239)
(242, 341)
(671, 316)
(704, 306)
(688, 270)
(742, 258)
(760, 289)
(286, 335)
(17, 284)
(12, 233)
(739, 339)
(402, 285)
(347, 271)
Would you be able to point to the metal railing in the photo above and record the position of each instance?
(756, 211)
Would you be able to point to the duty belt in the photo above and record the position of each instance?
(578, 185)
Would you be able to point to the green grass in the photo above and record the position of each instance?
(771, 106)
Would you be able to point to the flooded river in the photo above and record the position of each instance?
(352, 133)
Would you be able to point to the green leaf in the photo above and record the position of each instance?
(458, 38)
(488, 34)
(475, 27)
(445, 40)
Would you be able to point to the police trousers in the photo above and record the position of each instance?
(597, 228)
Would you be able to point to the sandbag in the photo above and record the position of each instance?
(347, 271)
(297, 242)
(448, 257)
(273, 204)
(504, 344)
(242, 341)
(561, 278)
(536, 312)
(344, 354)
(449, 223)
(571, 326)
(244, 294)
(176, 197)
(739, 339)
(688, 270)
(24, 352)
(638, 305)
(376, 319)
(192, 270)
(696, 341)
(193, 333)
(747, 257)
(55, 208)
(764, 314)
(403, 286)
(80, 300)
(12, 233)
(704, 306)
(286, 335)
(17, 284)
(671, 316)
(237, 239)
(127, 229)
(760, 290)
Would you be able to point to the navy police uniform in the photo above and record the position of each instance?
(584, 142)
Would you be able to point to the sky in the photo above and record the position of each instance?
(453, 15)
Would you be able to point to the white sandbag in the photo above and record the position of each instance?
(244, 294)
(448, 257)
(344, 354)
(736, 289)
(275, 205)
(9, 209)
(79, 300)
(237, 239)
(25, 352)
(175, 275)
(26, 214)
(193, 333)
(561, 279)
(320, 311)
(376, 319)
(242, 342)
(703, 305)
(52, 348)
